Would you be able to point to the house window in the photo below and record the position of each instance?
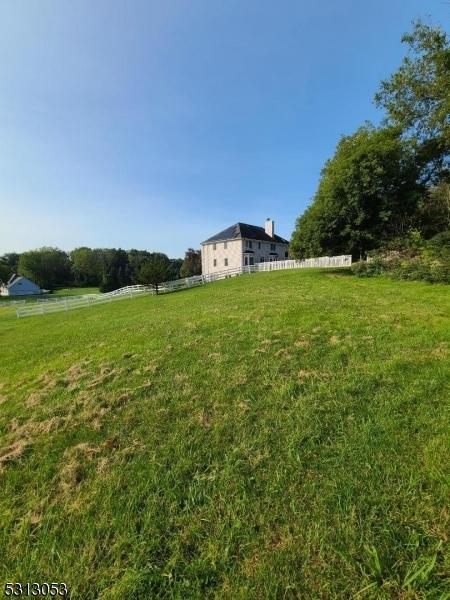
(262, 259)
(225, 262)
(215, 262)
(214, 246)
(225, 245)
(248, 244)
(272, 247)
(249, 260)
(286, 254)
(259, 245)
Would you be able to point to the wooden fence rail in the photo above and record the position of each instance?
(131, 291)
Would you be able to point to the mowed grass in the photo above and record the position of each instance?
(277, 435)
(64, 292)
(74, 291)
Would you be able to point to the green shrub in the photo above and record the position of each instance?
(439, 246)
(431, 264)
(370, 268)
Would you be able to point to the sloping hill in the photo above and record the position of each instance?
(280, 435)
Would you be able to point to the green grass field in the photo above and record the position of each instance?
(277, 435)
(64, 292)
(74, 291)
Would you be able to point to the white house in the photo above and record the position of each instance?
(242, 245)
(19, 286)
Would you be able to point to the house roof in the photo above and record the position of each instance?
(16, 278)
(244, 231)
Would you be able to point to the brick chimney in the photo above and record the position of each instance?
(269, 227)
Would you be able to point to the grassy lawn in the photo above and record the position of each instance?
(277, 435)
(64, 292)
(74, 291)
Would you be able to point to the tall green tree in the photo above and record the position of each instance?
(136, 259)
(154, 270)
(192, 263)
(9, 263)
(86, 266)
(48, 267)
(433, 212)
(416, 98)
(115, 269)
(175, 266)
(368, 192)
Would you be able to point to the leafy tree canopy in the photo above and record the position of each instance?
(383, 183)
(192, 263)
(115, 269)
(8, 265)
(416, 97)
(155, 269)
(48, 267)
(367, 192)
(86, 266)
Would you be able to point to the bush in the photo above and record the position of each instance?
(369, 268)
(439, 246)
(430, 262)
(422, 269)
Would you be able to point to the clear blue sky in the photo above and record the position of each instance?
(154, 125)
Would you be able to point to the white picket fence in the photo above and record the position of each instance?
(308, 263)
(131, 291)
(6, 303)
(64, 304)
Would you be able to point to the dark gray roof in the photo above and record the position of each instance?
(242, 230)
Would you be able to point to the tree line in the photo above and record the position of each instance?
(388, 184)
(106, 268)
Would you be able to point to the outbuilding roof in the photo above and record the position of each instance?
(245, 231)
(17, 278)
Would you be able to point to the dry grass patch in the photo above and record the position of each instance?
(123, 398)
(146, 385)
(303, 373)
(13, 452)
(301, 343)
(76, 373)
(204, 419)
(441, 351)
(284, 352)
(34, 399)
(73, 470)
(106, 375)
(130, 355)
(181, 378)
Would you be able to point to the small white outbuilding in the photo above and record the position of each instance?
(20, 286)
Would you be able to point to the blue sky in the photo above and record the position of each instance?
(154, 125)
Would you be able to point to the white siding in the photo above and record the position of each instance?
(219, 251)
(234, 251)
(262, 250)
